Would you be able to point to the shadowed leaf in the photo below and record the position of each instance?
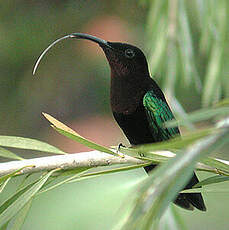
(20, 217)
(68, 132)
(199, 115)
(11, 207)
(8, 154)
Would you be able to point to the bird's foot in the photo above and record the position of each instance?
(118, 150)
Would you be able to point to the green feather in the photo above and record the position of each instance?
(158, 112)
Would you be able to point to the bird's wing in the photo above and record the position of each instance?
(158, 111)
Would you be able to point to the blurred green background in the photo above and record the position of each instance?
(186, 45)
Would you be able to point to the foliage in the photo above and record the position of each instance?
(188, 56)
(153, 195)
(188, 42)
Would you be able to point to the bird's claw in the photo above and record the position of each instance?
(118, 150)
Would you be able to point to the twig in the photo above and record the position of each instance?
(69, 161)
(79, 160)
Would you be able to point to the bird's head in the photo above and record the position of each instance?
(124, 59)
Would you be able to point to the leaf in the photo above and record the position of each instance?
(5, 179)
(14, 197)
(67, 172)
(84, 175)
(4, 183)
(8, 154)
(10, 209)
(20, 217)
(108, 171)
(68, 132)
(4, 227)
(162, 186)
(172, 220)
(212, 180)
(224, 102)
(199, 115)
(28, 143)
(80, 171)
(176, 143)
(204, 190)
(215, 163)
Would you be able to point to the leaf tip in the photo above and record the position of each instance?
(44, 114)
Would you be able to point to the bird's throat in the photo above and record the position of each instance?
(126, 94)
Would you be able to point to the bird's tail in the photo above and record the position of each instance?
(187, 200)
(191, 200)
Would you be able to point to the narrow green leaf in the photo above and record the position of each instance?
(80, 172)
(212, 180)
(15, 196)
(224, 102)
(84, 175)
(204, 190)
(215, 57)
(68, 132)
(12, 209)
(172, 220)
(68, 172)
(162, 186)
(4, 227)
(5, 179)
(23, 181)
(199, 115)
(220, 166)
(59, 184)
(176, 143)
(186, 48)
(8, 154)
(83, 178)
(28, 143)
(21, 216)
(178, 218)
(4, 183)
(108, 171)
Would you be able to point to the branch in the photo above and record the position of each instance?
(68, 161)
(79, 160)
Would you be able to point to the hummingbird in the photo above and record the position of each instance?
(138, 104)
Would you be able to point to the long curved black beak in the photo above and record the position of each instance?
(90, 37)
(99, 41)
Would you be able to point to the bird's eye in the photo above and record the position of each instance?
(129, 53)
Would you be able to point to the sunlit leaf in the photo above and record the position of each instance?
(176, 143)
(205, 190)
(215, 163)
(68, 132)
(28, 143)
(4, 183)
(212, 180)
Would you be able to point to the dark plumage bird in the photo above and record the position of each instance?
(138, 104)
